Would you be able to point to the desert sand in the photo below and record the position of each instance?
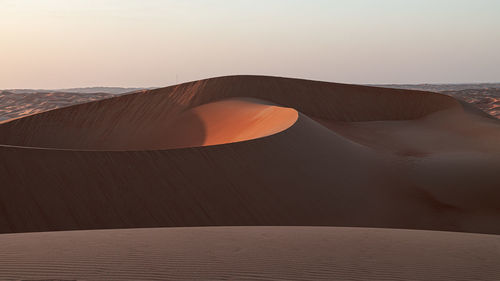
(250, 253)
(256, 151)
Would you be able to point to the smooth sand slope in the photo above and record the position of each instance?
(250, 253)
(255, 151)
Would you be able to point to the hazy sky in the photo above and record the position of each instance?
(74, 43)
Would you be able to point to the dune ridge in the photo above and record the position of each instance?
(101, 124)
(336, 155)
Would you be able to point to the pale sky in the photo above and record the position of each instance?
(78, 43)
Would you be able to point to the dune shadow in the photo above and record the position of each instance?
(139, 124)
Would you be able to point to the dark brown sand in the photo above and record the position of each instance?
(352, 156)
(250, 253)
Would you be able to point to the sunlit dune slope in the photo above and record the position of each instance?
(220, 122)
(255, 151)
(250, 253)
(237, 120)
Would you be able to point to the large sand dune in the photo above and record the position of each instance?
(250, 253)
(250, 150)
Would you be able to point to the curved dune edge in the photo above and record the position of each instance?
(228, 121)
(262, 253)
(220, 122)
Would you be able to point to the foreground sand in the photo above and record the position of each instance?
(250, 253)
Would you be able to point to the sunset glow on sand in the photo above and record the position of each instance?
(249, 140)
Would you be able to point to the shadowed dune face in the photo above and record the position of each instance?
(345, 155)
(214, 123)
(118, 126)
(448, 131)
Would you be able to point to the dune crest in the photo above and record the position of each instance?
(141, 121)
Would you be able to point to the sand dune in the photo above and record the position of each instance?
(233, 120)
(250, 253)
(257, 151)
(104, 125)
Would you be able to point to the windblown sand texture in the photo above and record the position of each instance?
(250, 253)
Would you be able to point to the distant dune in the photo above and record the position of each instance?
(85, 90)
(250, 253)
(256, 151)
(14, 104)
(22, 102)
(487, 100)
(485, 96)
